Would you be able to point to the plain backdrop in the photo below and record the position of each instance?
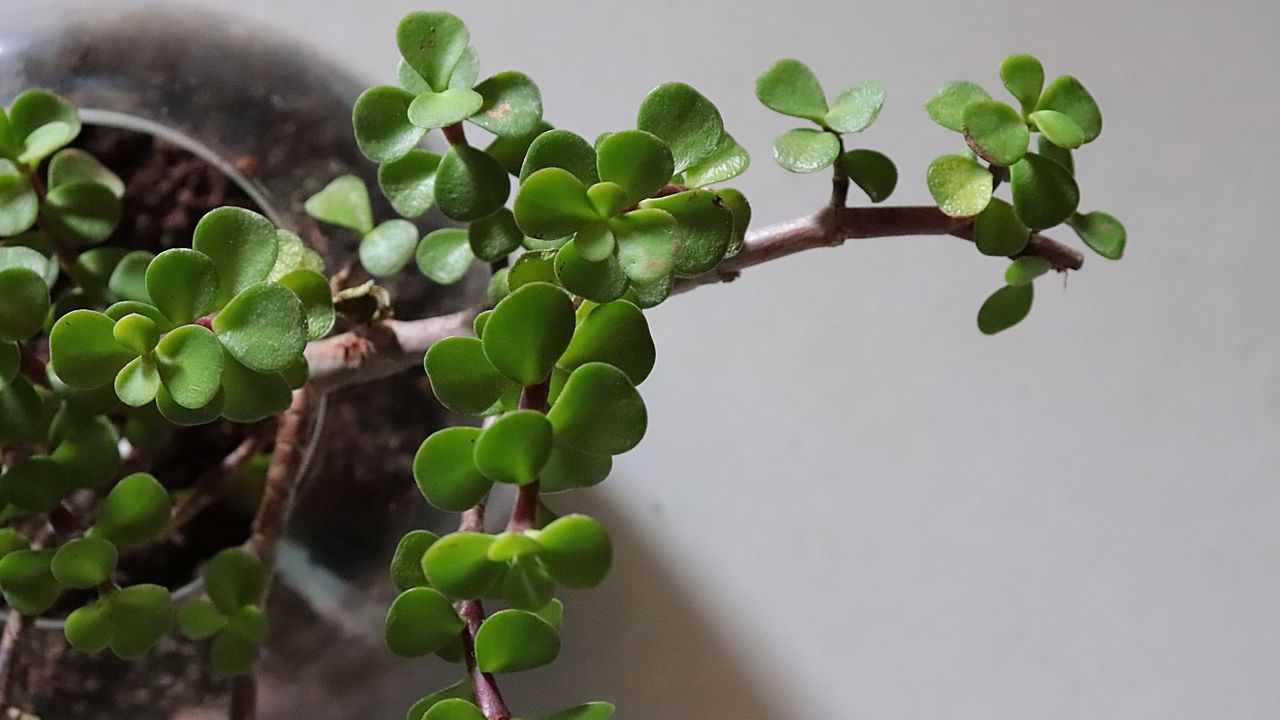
(851, 504)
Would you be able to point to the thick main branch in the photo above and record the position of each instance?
(380, 350)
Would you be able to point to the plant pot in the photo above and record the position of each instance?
(274, 119)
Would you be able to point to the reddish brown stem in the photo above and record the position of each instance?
(524, 513)
(488, 696)
(16, 627)
(455, 134)
(244, 698)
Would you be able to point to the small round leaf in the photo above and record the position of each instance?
(638, 161)
(515, 640)
(791, 88)
(960, 186)
(84, 563)
(1005, 308)
(134, 512)
(263, 327)
(856, 108)
(528, 332)
(242, 244)
(805, 150)
(515, 447)
(512, 104)
(470, 184)
(183, 284)
(1044, 193)
(599, 411)
(577, 551)
(445, 255)
(445, 469)
(343, 202)
(189, 361)
(462, 377)
(421, 621)
(381, 121)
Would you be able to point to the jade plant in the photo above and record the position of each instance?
(104, 349)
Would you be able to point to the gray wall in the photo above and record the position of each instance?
(852, 504)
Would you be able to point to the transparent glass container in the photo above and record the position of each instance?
(275, 118)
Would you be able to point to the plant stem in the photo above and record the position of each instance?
(524, 514)
(284, 474)
(483, 684)
(839, 178)
(385, 348)
(455, 134)
(16, 627)
(244, 698)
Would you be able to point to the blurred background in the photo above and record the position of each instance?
(851, 504)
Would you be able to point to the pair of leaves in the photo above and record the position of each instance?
(38, 124)
(129, 621)
(693, 130)
(791, 88)
(235, 581)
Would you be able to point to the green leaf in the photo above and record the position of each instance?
(576, 550)
(599, 411)
(186, 417)
(83, 349)
(1058, 128)
(553, 203)
(646, 244)
(406, 564)
(432, 43)
(18, 256)
(420, 622)
(594, 242)
(528, 331)
(856, 108)
(727, 161)
(741, 210)
(515, 447)
(495, 237)
(183, 284)
(128, 279)
(462, 377)
(704, 228)
(527, 584)
(313, 291)
(26, 581)
(1044, 193)
(409, 182)
(1005, 308)
(232, 654)
(34, 484)
(243, 246)
(998, 231)
(960, 186)
(445, 255)
(615, 333)
(805, 150)
(608, 199)
(85, 212)
(1067, 96)
(684, 119)
(445, 469)
(124, 308)
(433, 110)
(9, 147)
(512, 105)
(515, 640)
(200, 620)
(509, 545)
(586, 711)
(75, 165)
(595, 281)
(250, 396)
(1023, 76)
(380, 118)
(22, 412)
(235, 578)
(874, 172)
(140, 616)
(135, 512)
(26, 302)
(791, 88)
(293, 255)
(947, 107)
(84, 563)
(466, 70)
(470, 184)
(89, 455)
(1101, 232)
(343, 202)
(570, 469)
(388, 247)
(533, 266)
(458, 565)
(552, 612)
(263, 327)
(88, 628)
(561, 149)
(510, 152)
(637, 161)
(453, 709)
(189, 360)
(19, 205)
(996, 132)
(1025, 269)
(10, 362)
(42, 123)
(1062, 156)
(498, 287)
